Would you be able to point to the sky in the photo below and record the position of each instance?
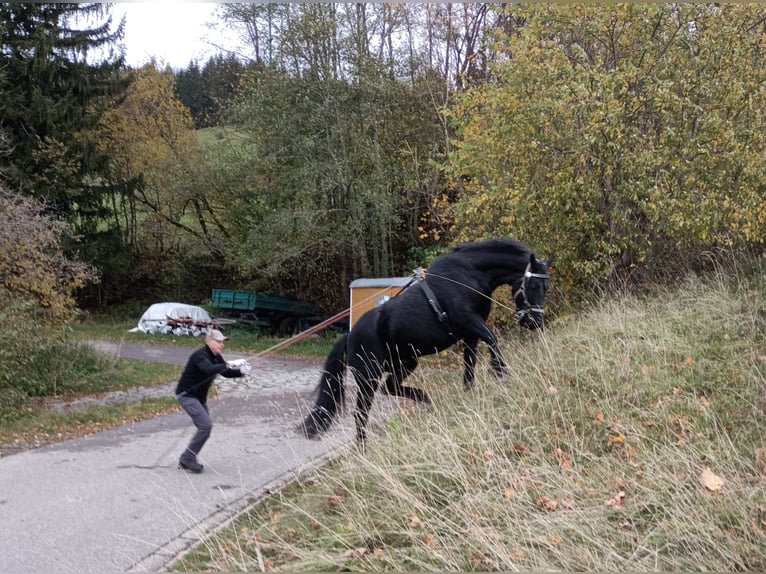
(174, 33)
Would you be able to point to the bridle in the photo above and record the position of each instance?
(527, 308)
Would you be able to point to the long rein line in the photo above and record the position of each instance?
(495, 301)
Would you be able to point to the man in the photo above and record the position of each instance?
(201, 369)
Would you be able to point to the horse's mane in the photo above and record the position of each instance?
(493, 245)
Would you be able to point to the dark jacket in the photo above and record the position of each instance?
(201, 369)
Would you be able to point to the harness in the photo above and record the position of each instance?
(522, 311)
(420, 278)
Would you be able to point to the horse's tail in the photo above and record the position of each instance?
(330, 392)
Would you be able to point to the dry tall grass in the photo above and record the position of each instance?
(628, 438)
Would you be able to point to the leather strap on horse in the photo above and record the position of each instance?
(440, 314)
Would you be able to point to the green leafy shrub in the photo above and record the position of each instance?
(627, 140)
(38, 360)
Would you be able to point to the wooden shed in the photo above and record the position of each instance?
(367, 294)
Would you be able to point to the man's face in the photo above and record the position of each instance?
(215, 346)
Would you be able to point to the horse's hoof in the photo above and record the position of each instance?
(307, 432)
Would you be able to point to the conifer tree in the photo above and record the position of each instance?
(61, 66)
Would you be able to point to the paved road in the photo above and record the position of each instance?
(115, 500)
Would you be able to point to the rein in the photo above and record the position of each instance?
(518, 313)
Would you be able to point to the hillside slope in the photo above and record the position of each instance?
(630, 437)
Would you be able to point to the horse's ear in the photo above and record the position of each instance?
(535, 261)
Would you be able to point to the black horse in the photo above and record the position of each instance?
(448, 303)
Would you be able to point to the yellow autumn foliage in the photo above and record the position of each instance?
(619, 138)
(33, 267)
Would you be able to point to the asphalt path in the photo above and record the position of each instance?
(115, 501)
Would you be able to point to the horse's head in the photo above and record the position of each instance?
(529, 296)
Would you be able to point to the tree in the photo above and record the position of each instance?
(620, 138)
(341, 167)
(208, 91)
(50, 94)
(345, 129)
(169, 212)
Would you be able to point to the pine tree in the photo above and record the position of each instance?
(60, 68)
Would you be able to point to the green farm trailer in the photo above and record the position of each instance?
(280, 315)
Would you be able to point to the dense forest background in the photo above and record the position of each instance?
(362, 140)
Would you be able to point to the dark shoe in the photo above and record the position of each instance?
(190, 466)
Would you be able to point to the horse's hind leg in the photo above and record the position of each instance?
(367, 368)
(366, 392)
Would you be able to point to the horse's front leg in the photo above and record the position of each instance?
(469, 362)
(498, 363)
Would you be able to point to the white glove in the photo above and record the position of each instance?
(240, 364)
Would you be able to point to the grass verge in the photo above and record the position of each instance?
(240, 339)
(40, 427)
(37, 423)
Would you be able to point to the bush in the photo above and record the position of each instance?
(616, 142)
(38, 360)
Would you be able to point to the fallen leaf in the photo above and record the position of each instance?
(598, 417)
(555, 540)
(354, 552)
(760, 459)
(617, 500)
(711, 480)
(548, 504)
(620, 438)
(429, 541)
(565, 463)
(477, 558)
(519, 555)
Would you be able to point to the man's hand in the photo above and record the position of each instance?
(241, 364)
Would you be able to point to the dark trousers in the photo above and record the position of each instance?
(200, 416)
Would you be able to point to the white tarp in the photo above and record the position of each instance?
(175, 319)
